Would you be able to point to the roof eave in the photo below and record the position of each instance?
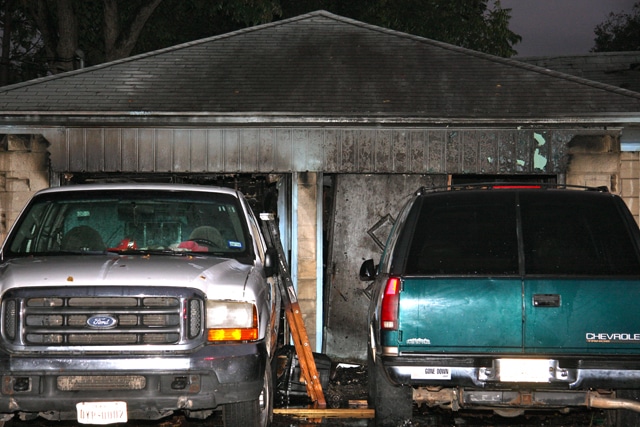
(172, 119)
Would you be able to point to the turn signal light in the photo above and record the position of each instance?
(233, 334)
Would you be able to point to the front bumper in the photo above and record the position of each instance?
(153, 386)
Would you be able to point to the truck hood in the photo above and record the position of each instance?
(223, 277)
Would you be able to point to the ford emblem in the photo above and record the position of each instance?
(102, 321)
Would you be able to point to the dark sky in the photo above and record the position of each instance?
(559, 27)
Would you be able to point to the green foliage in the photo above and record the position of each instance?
(619, 33)
(467, 23)
(473, 24)
(21, 45)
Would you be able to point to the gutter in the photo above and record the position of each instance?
(169, 119)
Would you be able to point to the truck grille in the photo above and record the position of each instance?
(108, 317)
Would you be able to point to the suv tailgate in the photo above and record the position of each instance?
(581, 316)
(460, 315)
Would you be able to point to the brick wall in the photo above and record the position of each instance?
(598, 161)
(630, 181)
(23, 171)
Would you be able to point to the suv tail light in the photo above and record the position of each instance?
(390, 299)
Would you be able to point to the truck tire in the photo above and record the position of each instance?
(393, 404)
(258, 412)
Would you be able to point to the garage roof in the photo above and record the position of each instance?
(317, 65)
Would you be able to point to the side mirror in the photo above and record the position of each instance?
(271, 262)
(367, 271)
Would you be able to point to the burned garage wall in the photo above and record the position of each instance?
(328, 150)
(365, 209)
(366, 205)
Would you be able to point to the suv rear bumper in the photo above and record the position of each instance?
(565, 373)
(152, 386)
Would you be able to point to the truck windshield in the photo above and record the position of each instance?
(130, 221)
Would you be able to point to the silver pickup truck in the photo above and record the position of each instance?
(135, 301)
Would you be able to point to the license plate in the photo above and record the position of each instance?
(102, 412)
(524, 370)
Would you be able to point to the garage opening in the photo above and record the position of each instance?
(261, 190)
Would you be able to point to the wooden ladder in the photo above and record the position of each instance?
(293, 313)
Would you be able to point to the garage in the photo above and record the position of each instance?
(327, 121)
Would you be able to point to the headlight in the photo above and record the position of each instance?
(231, 321)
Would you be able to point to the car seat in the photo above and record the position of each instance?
(82, 238)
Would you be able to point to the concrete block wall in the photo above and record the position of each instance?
(24, 170)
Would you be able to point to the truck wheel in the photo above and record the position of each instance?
(393, 404)
(258, 412)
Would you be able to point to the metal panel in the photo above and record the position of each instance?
(95, 155)
(76, 153)
(266, 149)
(283, 150)
(470, 150)
(337, 150)
(436, 143)
(112, 152)
(231, 150)
(164, 144)
(214, 150)
(181, 150)
(331, 144)
(197, 161)
(487, 152)
(129, 150)
(249, 140)
(146, 150)
(507, 152)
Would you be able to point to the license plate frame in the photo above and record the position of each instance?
(102, 413)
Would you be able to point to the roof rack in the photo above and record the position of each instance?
(509, 185)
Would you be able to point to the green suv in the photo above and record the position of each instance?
(507, 298)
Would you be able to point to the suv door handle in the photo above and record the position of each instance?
(546, 300)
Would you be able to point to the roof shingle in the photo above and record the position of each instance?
(320, 64)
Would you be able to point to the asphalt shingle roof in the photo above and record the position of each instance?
(319, 64)
(620, 69)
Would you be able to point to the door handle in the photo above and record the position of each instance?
(546, 300)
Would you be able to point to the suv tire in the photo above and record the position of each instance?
(393, 404)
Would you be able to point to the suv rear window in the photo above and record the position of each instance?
(563, 232)
(568, 234)
(464, 235)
